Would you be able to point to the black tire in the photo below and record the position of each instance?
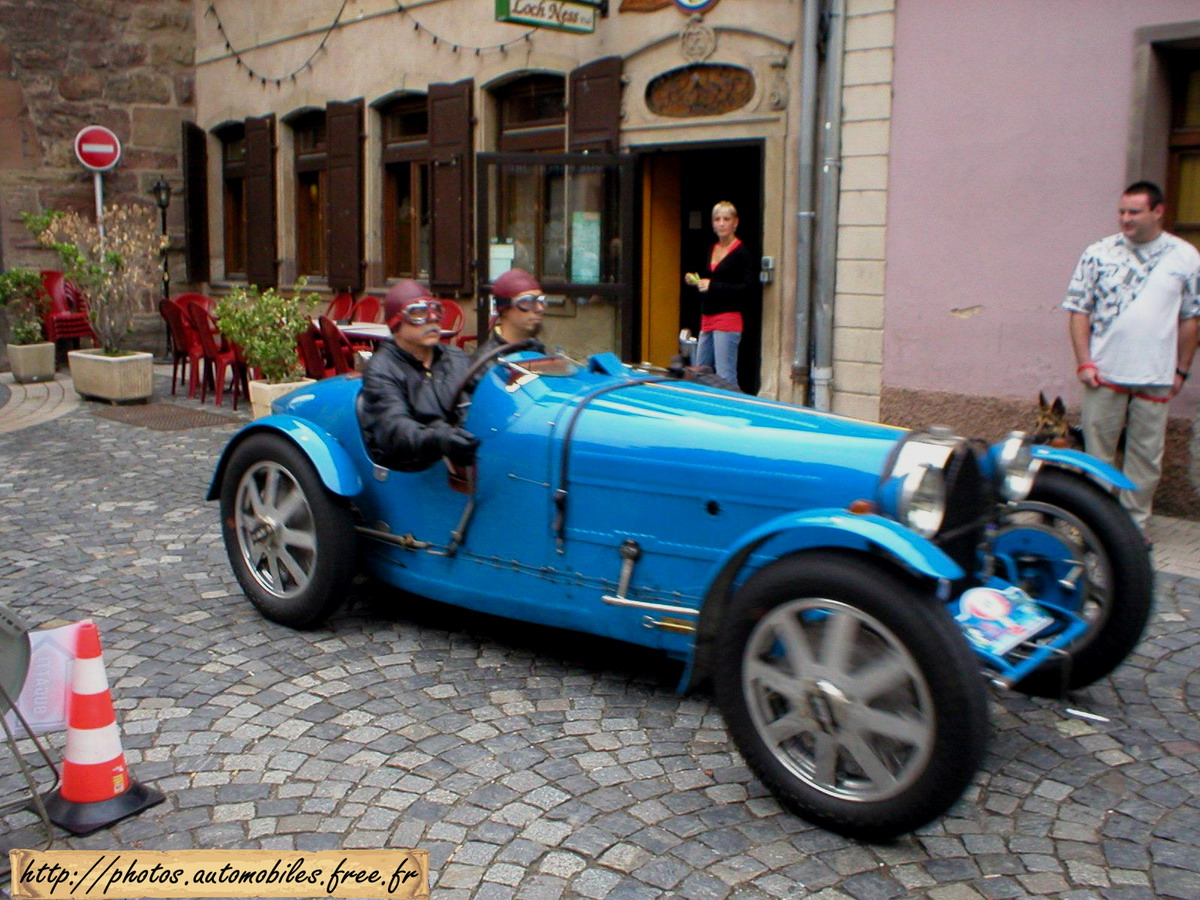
(869, 762)
(1116, 582)
(290, 542)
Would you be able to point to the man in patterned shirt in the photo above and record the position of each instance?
(1134, 303)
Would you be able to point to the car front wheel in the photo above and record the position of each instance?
(1092, 560)
(851, 694)
(290, 542)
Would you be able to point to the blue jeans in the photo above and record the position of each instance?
(719, 349)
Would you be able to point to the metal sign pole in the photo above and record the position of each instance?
(98, 183)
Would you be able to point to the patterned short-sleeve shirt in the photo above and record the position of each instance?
(1134, 296)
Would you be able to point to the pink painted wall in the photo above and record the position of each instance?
(1008, 155)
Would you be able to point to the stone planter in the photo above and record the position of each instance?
(32, 362)
(262, 393)
(117, 379)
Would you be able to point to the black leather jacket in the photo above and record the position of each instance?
(402, 407)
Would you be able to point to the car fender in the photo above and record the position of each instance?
(1097, 470)
(809, 530)
(333, 464)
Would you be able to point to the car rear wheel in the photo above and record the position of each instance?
(851, 694)
(290, 542)
(1097, 548)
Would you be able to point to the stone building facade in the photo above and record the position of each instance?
(123, 64)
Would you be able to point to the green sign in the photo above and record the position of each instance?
(561, 15)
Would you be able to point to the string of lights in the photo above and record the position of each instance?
(455, 46)
(254, 74)
(503, 47)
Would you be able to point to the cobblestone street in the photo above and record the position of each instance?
(530, 762)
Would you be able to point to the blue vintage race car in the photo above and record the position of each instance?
(842, 585)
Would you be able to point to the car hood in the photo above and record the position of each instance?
(678, 437)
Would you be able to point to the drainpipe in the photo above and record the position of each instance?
(804, 196)
(827, 208)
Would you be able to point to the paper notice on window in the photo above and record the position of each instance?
(67, 874)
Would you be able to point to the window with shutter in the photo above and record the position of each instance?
(233, 198)
(344, 199)
(258, 203)
(195, 201)
(310, 160)
(450, 127)
(407, 215)
(595, 105)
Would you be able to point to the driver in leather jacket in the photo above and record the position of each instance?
(408, 386)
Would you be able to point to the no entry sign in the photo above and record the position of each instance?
(97, 148)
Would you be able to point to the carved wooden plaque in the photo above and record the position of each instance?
(700, 90)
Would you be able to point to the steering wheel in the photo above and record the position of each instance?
(458, 403)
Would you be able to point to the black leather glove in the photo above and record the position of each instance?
(457, 444)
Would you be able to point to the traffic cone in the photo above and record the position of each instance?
(96, 789)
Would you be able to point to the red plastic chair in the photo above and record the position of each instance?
(453, 320)
(312, 357)
(66, 313)
(217, 356)
(185, 347)
(336, 345)
(367, 309)
(340, 307)
(203, 300)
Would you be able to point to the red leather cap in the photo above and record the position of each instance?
(512, 283)
(400, 295)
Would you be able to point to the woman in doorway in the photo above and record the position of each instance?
(724, 283)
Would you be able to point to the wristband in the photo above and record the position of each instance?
(1182, 374)
(1085, 366)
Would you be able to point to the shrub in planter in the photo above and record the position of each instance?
(117, 269)
(265, 326)
(29, 354)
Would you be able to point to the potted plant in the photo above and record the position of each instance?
(265, 326)
(117, 269)
(30, 356)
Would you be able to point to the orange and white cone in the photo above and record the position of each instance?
(96, 788)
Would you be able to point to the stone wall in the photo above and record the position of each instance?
(124, 64)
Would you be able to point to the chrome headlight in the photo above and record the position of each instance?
(1015, 467)
(923, 500)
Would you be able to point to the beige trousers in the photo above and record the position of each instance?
(1105, 413)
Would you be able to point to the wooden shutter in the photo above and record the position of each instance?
(344, 195)
(450, 155)
(261, 250)
(195, 202)
(594, 106)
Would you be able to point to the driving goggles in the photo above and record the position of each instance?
(422, 312)
(530, 303)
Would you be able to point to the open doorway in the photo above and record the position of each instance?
(678, 190)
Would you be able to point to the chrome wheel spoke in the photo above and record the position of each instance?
(825, 760)
(789, 727)
(874, 768)
(770, 677)
(880, 677)
(838, 645)
(891, 725)
(294, 537)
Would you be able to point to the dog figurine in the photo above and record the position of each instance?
(1052, 426)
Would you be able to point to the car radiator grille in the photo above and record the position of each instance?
(969, 508)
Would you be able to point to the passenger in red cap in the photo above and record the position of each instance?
(409, 384)
(519, 308)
